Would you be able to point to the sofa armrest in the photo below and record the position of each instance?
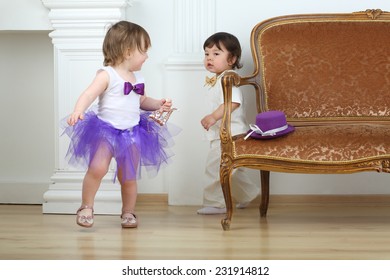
(229, 80)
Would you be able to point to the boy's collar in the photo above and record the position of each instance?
(213, 80)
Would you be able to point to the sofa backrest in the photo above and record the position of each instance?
(330, 68)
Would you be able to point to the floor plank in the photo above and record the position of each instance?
(303, 231)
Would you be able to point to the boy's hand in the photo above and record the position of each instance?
(208, 121)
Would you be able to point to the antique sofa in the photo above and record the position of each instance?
(330, 75)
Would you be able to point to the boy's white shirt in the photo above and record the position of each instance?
(214, 98)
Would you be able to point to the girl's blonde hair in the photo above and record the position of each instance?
(122, 36)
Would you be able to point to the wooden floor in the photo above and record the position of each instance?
(330, 229)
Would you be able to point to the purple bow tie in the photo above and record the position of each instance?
(138, 88)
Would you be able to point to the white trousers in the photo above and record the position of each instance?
(243, 189)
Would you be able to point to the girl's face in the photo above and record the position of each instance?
(217, 60)
(136, 59)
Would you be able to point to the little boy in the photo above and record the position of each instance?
(222, 54)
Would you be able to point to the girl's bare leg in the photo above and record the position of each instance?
(129, 194)
(129, 199)
(95, 173)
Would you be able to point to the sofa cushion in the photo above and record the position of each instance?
(320, 144)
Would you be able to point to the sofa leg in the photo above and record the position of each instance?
(264, 176)
(225, 174)
(225, 223)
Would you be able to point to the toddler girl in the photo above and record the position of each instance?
(118, 129)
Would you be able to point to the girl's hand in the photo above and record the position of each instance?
(74, 118)
(166, 104)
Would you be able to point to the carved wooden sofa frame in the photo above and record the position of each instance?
(330, 75)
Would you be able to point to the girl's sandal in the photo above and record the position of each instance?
(84, 220)
(129, 220)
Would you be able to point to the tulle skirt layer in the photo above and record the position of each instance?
(145, 145)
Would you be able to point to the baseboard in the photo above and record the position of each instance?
(32, 193)
(22, 192)
(152, 198)
(318, 199)
(286, 199)
(104, 207)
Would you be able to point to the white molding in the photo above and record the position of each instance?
(82, 21)
(56, 4)
(194, 21)
(64, 194)
(187, 62)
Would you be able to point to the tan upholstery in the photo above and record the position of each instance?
(330, 75)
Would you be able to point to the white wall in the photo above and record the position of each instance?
(26, 106)
(26, 120)
(23, 15)
(26, 115)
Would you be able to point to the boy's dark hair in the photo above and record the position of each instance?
(230, 42)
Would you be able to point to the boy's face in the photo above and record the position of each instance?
(217, 60)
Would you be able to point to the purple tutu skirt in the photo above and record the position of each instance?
(146, 144)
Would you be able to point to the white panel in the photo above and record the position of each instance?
(76, 70)
(194, 21)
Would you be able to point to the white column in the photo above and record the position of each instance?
(194, 22)
(78, 32)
